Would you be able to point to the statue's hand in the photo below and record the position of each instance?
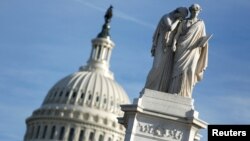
(174, 48)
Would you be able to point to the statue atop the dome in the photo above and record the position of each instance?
(106, 27)
(109, 14)
(180, 59)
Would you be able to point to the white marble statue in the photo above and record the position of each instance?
(159, 76)
(191, 54)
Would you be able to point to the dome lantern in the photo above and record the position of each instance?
(101, 51)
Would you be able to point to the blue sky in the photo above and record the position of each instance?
(42, 41)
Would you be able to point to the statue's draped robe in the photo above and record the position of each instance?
(160, 73)
(190, 60)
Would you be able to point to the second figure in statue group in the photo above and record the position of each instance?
(180, 52)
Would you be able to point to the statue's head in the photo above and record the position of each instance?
(195, 9)
(181, 12)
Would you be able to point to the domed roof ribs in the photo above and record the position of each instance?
(68, 88)
(113, 105)
(73, 87)
(83, 87)
(94, 89)
(89, 90)
(117, 100)
(78, 88)
(101, 92)
(98, 91)
(111, 97)
(105, 94)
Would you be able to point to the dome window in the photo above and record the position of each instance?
(37, 132)
(44, 131)
(100, 138)
(61, 135)
(81, 135)
(71, 134)
(55, 94)
(91, 136)
(74, 95)
(61, 93)
(67, 94)
(31, 133)
(82, 95)
(90, 97)
(53, 132)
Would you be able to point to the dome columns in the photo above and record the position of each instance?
(101, 49)
(100, 57)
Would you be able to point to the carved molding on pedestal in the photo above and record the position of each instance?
(160, 131)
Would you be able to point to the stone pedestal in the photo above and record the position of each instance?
(159, 116)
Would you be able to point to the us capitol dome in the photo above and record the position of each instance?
(83, 106)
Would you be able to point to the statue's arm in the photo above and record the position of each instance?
(177, 35)
(174, 24)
